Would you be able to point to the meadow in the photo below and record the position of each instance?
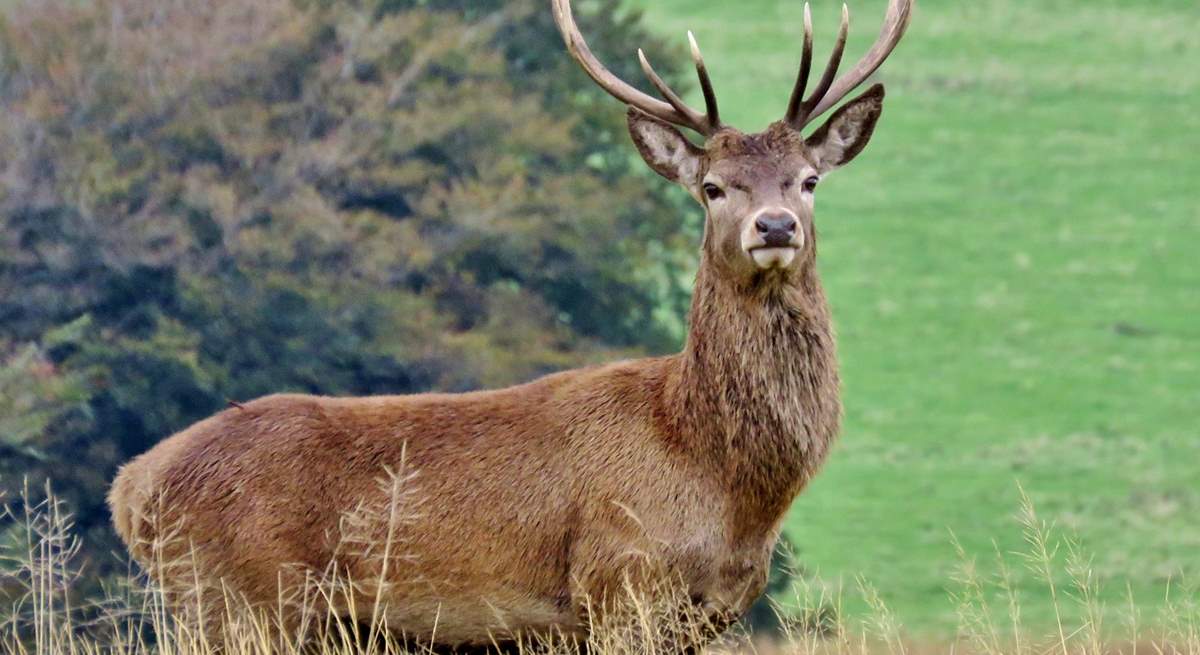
(1012, 266)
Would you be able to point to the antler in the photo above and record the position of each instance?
(674, 110)
(828, 92)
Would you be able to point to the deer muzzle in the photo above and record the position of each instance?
(773, 238)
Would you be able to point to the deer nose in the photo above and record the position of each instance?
(777, 230)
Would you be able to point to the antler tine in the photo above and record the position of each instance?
(895, 23)
(672, 111)
(694, 119)
(705, 124)
(805, 68)
(710, 97)
(805, 111)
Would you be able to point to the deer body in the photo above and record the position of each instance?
(519, 507)
(470, 518)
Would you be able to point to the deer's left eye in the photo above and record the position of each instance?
(810, 183)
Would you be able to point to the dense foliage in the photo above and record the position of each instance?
(219, 200)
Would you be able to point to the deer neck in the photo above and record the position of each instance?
(758, 387)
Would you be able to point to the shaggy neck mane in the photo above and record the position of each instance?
(757, 389)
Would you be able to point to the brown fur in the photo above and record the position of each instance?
(512, 511)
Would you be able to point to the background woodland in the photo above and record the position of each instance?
(213, 201)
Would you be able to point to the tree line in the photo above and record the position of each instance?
(209, 202)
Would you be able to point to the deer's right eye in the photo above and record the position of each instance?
(713, 192)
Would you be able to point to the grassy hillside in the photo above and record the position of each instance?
(1013, 267)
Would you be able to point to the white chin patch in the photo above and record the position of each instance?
(773, 257)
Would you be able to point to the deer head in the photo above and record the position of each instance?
(757, 189)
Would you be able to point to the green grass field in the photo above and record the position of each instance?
(1014, 265)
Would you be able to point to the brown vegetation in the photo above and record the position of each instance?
(39, 574)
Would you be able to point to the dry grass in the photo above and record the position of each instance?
(43, 615)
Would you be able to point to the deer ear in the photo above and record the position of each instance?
(847, 132)
(664, 148)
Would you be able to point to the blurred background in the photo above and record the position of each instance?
(212, 201)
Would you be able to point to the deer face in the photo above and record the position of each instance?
(758, 189)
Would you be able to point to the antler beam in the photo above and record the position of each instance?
(674, 110)
(828, 91)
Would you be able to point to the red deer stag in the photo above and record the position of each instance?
(526, 510)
